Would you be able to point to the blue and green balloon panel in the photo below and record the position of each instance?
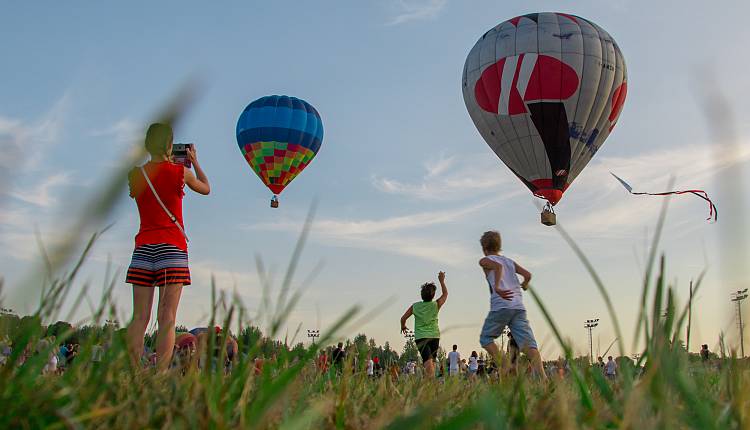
(279, 136)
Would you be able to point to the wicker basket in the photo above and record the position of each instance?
(549, 217)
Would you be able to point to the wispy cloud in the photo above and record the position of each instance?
(392, 235)
(41, 194)
(455, 178)
(22, 142)
(124, 131)
(416, 10)
(600, 202)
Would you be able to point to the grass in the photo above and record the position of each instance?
(671, 392)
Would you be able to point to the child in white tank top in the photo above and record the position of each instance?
(506, 303)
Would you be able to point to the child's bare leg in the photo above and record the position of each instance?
(493, 350)
(536, 362)
(429, 368)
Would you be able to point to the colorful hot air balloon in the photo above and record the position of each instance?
(545, 90)
(279, 136)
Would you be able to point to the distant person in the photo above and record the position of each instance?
(376, 365)
(62, 356)
(426, 327)
(370, 367)
(51, 367)
(705, 353)
(160, 258)
(506, 304)
(97, 353)
(323, 362)
(600, 363)
(454, 361)
(338, 356)
(611, 368)
(473, 363)
(513, 353)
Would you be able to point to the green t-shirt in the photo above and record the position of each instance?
(425, 320)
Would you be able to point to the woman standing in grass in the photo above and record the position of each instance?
(160, 257)
(426, 327)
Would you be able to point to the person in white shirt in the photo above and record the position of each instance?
(454, 358)
(611, 368)
(51, 367)
(370, 367)
(473, 363)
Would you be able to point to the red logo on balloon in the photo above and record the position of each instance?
(506, 86)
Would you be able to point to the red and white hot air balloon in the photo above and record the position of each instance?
(545, 90)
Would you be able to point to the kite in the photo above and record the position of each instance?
(545, 91)
(279, 136)
(713, 213)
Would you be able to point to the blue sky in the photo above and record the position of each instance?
(405, 183)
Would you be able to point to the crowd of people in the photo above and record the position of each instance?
(59, 357)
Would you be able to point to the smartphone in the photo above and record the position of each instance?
(179, 154)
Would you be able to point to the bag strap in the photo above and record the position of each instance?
(163, 206)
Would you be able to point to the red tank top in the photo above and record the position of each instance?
(169, 181)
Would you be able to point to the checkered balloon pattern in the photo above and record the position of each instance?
(279, 136)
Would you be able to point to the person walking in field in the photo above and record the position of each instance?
(426, 327)
(454, 361)
(611, 368)
(160, 258)
(506, 303)
(473, 363)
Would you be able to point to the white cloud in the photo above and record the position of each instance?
(22, 143)
(598, 205)
(456, 178)
(41, 194)
(416, 10)
(124, 131)
(387, 234)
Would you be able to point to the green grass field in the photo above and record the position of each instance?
(672, 391)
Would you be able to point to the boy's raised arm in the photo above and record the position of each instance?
(526, 276)
(405, 317)
(443, 290)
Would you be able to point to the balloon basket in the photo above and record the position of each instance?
(548, 215)
(274, 202)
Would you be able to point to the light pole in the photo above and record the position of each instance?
(589, 325)
(737, 297)
(409, 334)
(312, 334)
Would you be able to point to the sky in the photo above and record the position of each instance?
(405, 185)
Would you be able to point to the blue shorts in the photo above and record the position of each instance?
(513, 318)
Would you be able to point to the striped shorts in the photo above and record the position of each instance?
(158, 265)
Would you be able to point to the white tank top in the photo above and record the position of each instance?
(509, 281)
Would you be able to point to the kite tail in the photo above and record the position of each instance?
(713, 211)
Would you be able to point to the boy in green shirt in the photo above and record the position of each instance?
(426, 328)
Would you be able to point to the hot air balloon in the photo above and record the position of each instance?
(545, 90)
(279, 136)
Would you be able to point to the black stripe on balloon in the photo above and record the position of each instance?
(551, 122)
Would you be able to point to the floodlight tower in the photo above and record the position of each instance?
(313, 334)
(409, 334)
(737, 297)
(589, 325)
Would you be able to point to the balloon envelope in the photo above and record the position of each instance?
(545, 90)
(279, 136)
